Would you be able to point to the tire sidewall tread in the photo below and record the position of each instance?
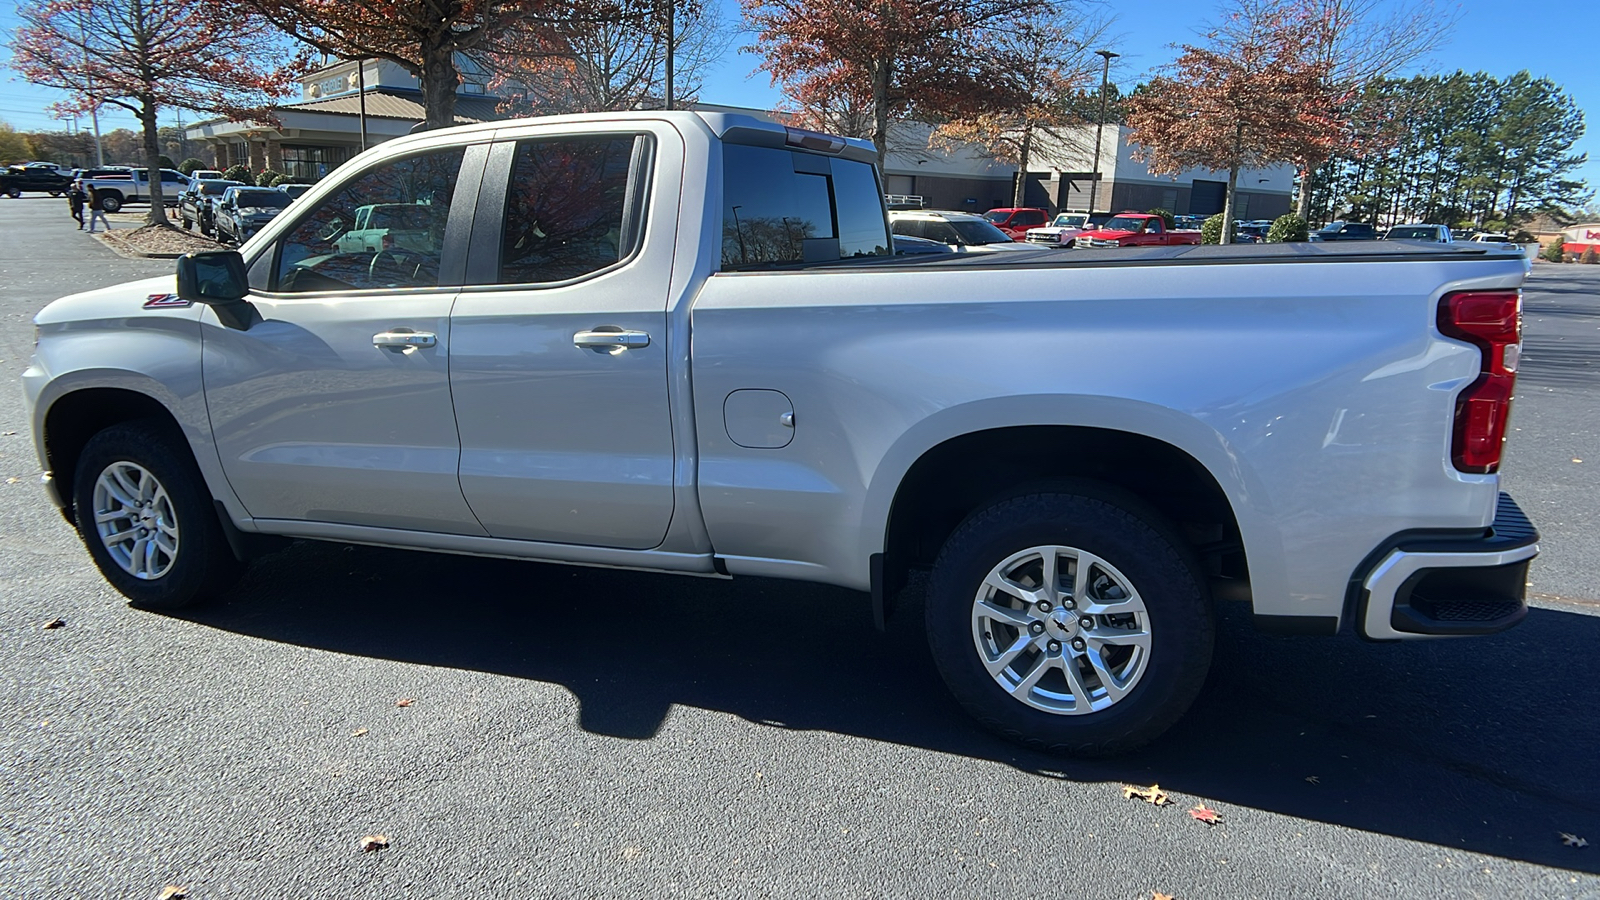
(1140, 545)
(205, 564)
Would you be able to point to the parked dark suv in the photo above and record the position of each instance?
(195, 203)
(1345, 231)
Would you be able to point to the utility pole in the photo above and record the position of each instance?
(1100, 125)
(671, 45)
(94, 108)
(361, 93)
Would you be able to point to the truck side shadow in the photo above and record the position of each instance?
(1482, 745)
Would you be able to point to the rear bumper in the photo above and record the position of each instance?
(1420, 585)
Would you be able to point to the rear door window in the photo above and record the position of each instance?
(570, 207)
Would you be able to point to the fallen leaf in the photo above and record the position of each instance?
(1575, 459)
(631, 852)
(8, 433)
(358, 732)
(1153, 794)
(1157, 895)
(53, 624)
(1312, 779)
(173, 892)
(13, 480)
(404, 701)
(1204, 814)
(374, 842)
(1572, 840)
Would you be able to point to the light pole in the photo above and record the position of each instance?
(1100, 124)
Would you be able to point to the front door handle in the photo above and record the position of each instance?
(404, 340)
(611, 339)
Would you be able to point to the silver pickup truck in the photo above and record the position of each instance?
(681, 342)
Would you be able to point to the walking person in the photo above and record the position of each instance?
(97, 210)
(75, 199)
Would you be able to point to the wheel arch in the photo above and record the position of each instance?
(967, 456)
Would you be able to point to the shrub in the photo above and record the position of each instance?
(1165, 214)
(238, 172)
(1553, 251)
(166, 162)
(189, 166)
(1288, 229)
(1211, 230)
(1589, 257)
(264, 179)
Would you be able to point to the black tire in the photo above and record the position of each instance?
(188, 224)
(1128, 536)
(55, 193)
(203, 564)
(111, 202)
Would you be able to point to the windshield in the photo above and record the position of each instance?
(1123, 223)
(997, 216)
(215, 188)
(1413, 234)
(269, 199)
(1066, 221)
(973, 232)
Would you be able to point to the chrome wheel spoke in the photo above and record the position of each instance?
(111, 515)
(1003, 660)
(120, 536)
(1050, 586)
(1115, 638)
(1040, 666)
(1114, 689)
(1081, 701)
(1011, 588)
(1019, 618)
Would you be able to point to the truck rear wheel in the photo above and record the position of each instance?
(146, 516)
(111, 202)
(1070, 620)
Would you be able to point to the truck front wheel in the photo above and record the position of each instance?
(146, 516)
(1070, 621)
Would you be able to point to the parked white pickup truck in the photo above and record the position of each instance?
(678, 341)
(134, 187)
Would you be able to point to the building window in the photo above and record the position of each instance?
(1169, 199)
(307, 164)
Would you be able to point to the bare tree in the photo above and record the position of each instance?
(595, 66)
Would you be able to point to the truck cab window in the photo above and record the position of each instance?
(782, 206)
(383, 229)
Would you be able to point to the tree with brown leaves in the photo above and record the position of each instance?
(886, 58)
(1250, 98)
(147, 55)
(1052, 61)
(427, 38)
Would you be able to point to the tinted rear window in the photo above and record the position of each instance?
(782, 206)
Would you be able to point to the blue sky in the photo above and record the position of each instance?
(1492, 36)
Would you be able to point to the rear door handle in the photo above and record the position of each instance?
(404, 340)
(611, 338)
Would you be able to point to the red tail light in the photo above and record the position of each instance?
(1492, 321)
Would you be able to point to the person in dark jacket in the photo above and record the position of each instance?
(97, 210)
(75, 200)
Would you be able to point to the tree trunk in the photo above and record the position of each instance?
(1302, 201)
(439, 81)
(1020, 194)
(152, 160)
(1227, 205)
(880, 108)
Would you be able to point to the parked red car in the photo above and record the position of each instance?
(1016, 220)
(1132, 229)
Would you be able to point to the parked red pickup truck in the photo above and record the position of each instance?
(1136, 230)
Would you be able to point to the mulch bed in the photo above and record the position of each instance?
(159, 239)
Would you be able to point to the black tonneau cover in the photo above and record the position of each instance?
(1191, 254)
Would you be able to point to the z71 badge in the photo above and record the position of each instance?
(165, 301)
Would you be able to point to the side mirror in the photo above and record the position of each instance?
(218, 279)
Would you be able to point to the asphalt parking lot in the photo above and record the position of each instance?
(593, 733)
